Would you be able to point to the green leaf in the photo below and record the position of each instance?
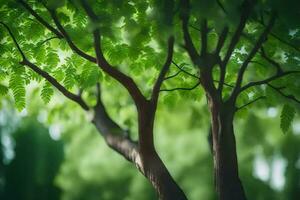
(286, 117)
(47, 92)
(3, 90)
(17, 85)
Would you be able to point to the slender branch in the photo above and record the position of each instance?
(164, 70)
(172, 76)
(251, 102)
(189, 45)
(204, 31)
(48, 39)
(194, 27)
(60, 33)
(181, 88)
(273, 62)
(285, 42)
(45, 75)
(56, 84)
(221, 40)
(246, 9)
(125, 80)
(68, 39)
(295, 47)
(41, 20)
(196, 77)
(288, 96)
(186, 72)
(268, 80)
(256, 47)
(14, 39)
(221, 6)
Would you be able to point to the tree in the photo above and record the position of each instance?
(53, 39)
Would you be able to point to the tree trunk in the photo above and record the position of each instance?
(142, 154)
(227, 182)
(152, 166)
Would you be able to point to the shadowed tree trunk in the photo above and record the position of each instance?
(142, 154)
(227, 181)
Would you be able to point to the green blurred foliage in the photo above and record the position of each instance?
(30, 173)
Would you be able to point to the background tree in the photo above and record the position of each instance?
(235, 37)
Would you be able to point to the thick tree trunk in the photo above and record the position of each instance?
(143, 154)
(152, 166)
(227, 181)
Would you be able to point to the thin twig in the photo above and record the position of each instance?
(253, 101)
(288, 96)
(180, 88)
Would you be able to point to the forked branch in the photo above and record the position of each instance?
(253, 52)
(288, 96)
(60, 32)
(163, 72)
(249, 103)
(44, 74)
(188, 43)
(125, 80)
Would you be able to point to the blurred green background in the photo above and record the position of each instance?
(52, 152)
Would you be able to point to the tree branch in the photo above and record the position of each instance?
(68, 39)
(245, 12)
(247, 104)
(45, 75)
(256, 47)
(280, 39)
(163, 72)
(273, 62)
(221, 40)
(60, 33)
(48, 39)
(125, 80)
(115, 137)
(221, 6)
(268, 80)
(181, 88)
(41, 20)
(56, 84)
(186, 72)
(204, 31)
(189, 45)
(278, 89)
(14, 39)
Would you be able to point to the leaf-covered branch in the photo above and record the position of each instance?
(246, 8)
(267, 80)
(288, 96)
(68, 39)
(45, 75)
(204, 32)
(60, 32)
(251, 102)
(253, 52)
(188, 43)
(125, 80)
(181, 88)
(163, 72)
(271, 61)
(40, 19)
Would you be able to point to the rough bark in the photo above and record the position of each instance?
(227, 182)
(152, 166)
(143, 154)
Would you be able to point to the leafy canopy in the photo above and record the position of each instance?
(134, 40)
